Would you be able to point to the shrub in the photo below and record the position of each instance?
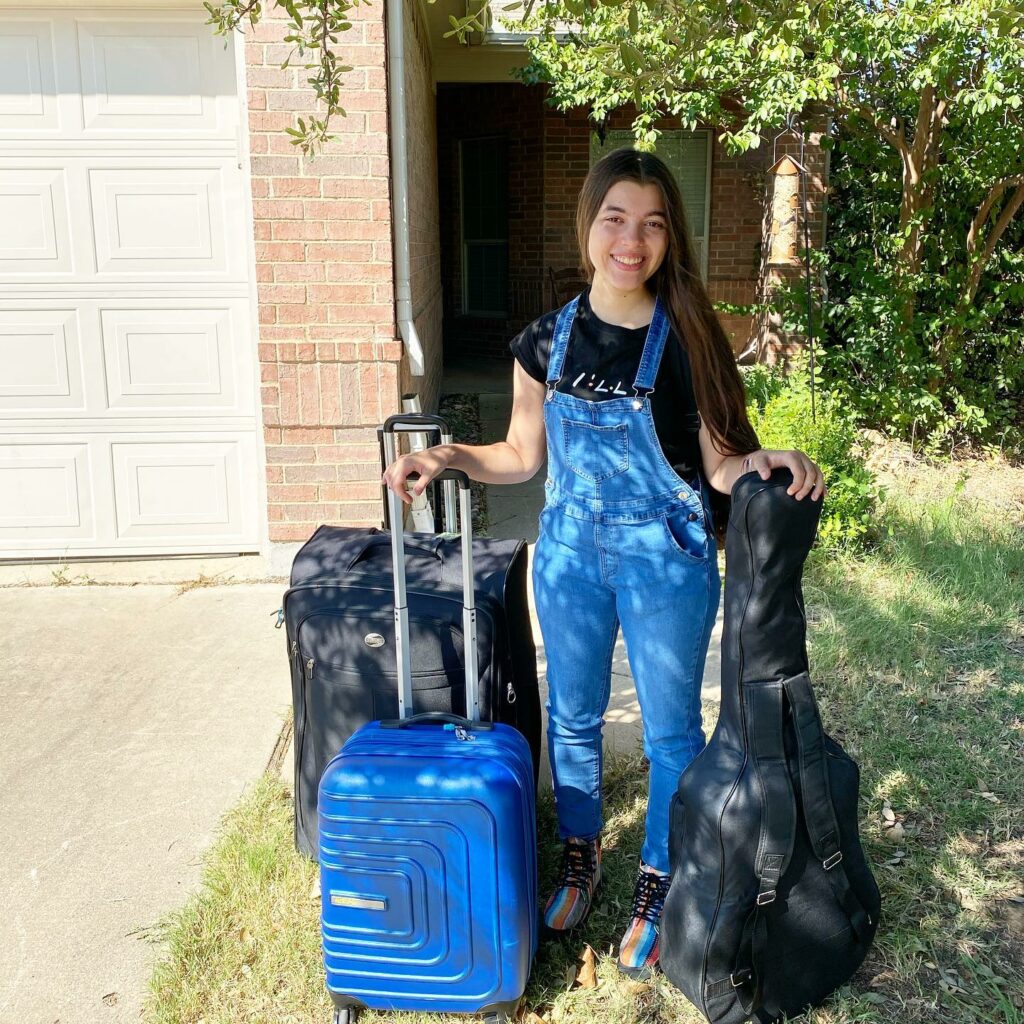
(910, 380)
(762, 383)
(780, 411)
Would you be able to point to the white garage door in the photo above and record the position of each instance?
(127, 353)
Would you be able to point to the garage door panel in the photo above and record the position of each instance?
(40, 363)
(128, 393)
(169, 489)
(35, 238)
(150, 76)
(160, 222)
(157, 360)
(45, 491)
(28, 94)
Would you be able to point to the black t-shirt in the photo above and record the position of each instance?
(601, 363)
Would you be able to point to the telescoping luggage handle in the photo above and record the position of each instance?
(418, 423)
(402, 646)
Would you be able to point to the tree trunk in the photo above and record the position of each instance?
(919, 162)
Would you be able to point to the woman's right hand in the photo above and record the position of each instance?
(428, 463)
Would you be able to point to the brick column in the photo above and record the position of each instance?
(734, 236)
(328, 351)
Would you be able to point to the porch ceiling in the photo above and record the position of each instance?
(489, 61)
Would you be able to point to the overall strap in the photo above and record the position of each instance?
(819, 814)
(765, 715)
(654, 346)
(560, 342)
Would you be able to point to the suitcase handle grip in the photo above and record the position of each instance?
(428, 546)
(438, 717)
(461, 478)
(413, 423)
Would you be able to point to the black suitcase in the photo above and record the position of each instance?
(340, 621)
(772, 905)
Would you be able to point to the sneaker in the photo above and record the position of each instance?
(638, 950)
(578, 879)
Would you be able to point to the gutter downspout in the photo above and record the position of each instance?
(400, 185)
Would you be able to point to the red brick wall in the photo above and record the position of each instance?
(328, 350)
(566, 163)
(737, 206)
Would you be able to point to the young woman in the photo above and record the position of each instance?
(632, 393)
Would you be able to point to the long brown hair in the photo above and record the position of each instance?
(717, 384)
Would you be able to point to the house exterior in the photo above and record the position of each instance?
(200, 329)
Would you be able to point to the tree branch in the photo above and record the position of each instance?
(925, 112)
(986, 207)
(977, 268)
(869, 115)
(1009, 211)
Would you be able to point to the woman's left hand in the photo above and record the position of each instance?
(807, 477)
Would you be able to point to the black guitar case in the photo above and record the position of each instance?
(772, 905)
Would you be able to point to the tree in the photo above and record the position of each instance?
(935, 80)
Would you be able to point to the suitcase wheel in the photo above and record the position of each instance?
(503, 1013)
(345, 1015)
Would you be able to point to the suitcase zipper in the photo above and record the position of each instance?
(299, 732)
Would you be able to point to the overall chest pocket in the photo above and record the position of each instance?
(595, 453)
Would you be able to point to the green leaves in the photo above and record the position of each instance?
(313, 30)
(780, 411)
(867, 68)
(632, 58)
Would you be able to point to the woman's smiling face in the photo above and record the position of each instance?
(629, 237)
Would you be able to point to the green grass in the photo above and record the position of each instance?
(917, 653)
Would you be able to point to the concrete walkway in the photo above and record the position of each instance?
(132, 718)
(134, 712)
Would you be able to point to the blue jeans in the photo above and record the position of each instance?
(658, 578)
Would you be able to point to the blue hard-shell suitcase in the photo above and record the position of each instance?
(427, 849)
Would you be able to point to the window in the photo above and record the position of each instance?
(688, 156)
(484, 226)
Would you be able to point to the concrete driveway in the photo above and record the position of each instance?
(131, 719)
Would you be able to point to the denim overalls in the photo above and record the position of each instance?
(623, 540)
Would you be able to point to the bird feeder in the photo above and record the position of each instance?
(784, 240)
